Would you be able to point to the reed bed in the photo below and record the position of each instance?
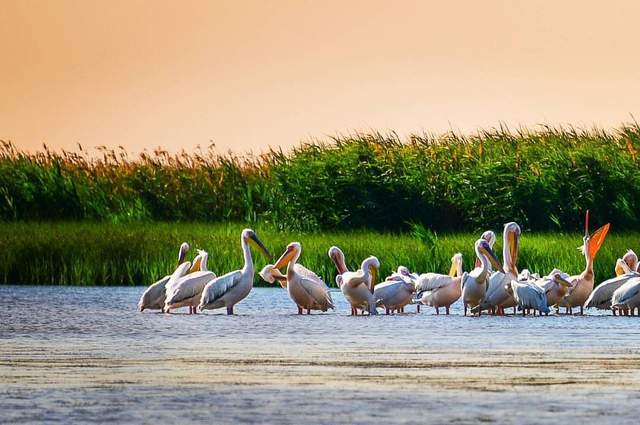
(70, 253)
(544, 179)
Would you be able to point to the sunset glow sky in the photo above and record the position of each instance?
(249, 74)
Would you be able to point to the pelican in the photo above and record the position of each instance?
(627, 264)
(305, 288)
(395, 292)
(627, 297)
(555, 285)
(231, 288)
(582, 284)
(440, 290)
(357, 287)
(497, 297)
(186, 291)
(490, 237)
(474, 283)
(528, 296)
(154, 296)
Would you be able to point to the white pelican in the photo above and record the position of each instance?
(154, 296)
(395, 292)
(555, 285)
(497, 297)
(441, 290)
(582, 284)
(305, 288)
(528, 296)
(474, 283)
(357, 287)
(186, 291)
(231, 288)
(627, 298)
(600, 297)
(627, 264)
(490, 237)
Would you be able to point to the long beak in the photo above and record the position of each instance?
(620, 267)
(454, 269)
(196, 264)
(258, 244)
(596, 240)
(284, 258)
(586, 224)
(514, 248)
(339, 266)
(374, 277)
(493, 260)
(562, 281)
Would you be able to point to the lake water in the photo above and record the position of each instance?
(79, 355)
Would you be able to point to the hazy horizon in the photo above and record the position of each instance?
(251, 74)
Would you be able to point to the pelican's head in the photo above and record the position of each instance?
(200, 262)
(591, 243)
(490, 237)
(270, 274)
(484, 249)
(403, 271)
(456, 264)
(182, 253)
(511, 246)
(251, 238)
(631, 259)
(372, 264)
(337, 256)
(290, 254)
(557, 278)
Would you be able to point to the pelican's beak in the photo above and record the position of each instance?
(196, 264)
(493, 259)
(336, 261)
(596, 240)
(373, 271)
(620, 267)
(453, 270)
(513, 248)
(562, 281)
(257, 243)
(285, 257)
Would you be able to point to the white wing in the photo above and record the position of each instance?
(601, 296)
(218, 287)
(313, 285)
(627, 291)
(529, 296)
(154, 295)
(189, 286)
(432, 281)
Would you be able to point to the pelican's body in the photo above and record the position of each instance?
(305, 288)
(154, 296)
(627, 297)
(186, 290)
(497, 297)
(357, 287)
(231, 288)
(554, 286)
(601, 296)
(474, 283)
(582, 284)
(440, 290)
(395, 293)
(529, 296)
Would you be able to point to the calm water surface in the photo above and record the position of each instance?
(79, 355)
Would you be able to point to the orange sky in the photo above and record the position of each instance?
(249, 74)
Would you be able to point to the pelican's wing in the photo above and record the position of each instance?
(601, 296)
(527, 295)
(353, 279)
(154, 294)
(189, 286)
(432, 281)
(218, 287)
(175, 277)
(313, 285)
(307, 274)
(629, 290)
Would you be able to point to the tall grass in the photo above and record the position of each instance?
(543, 179)
(131, 254)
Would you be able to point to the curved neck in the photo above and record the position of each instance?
(292, 262)
(484, 264)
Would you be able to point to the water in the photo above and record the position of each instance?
(86, 355)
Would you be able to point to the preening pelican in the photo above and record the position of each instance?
(357, 287)
(497, 297)
(528, 296)
(474, 283)
(627, 264)
(582, 284)
(627, 297)
(186, 291)
(395, 292)
(305, 288)
(490, 237)
(441, 290)
(555, 285)
(231, 288)
(154, 296)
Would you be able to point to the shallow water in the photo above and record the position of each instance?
(72, 354)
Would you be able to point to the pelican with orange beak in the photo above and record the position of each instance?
(582, 284)
(186, 291)
(357, 287)
(231, 288)
(305, 288)
(489, 236)
(441, 290)
(474, 283)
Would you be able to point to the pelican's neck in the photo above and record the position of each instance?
(292, 262)
(588, 270)
(248, 261)
(484, 264)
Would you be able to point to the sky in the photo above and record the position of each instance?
(252, 74)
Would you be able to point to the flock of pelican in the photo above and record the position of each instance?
(492, 286)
